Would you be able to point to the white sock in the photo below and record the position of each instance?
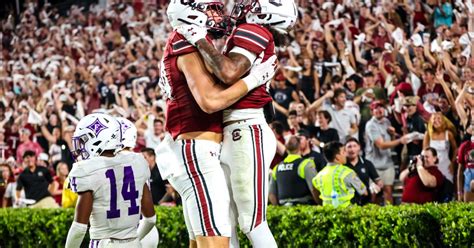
(262, 237)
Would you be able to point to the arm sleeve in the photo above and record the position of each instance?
(81, 184)
(308, 169)
(335, 136)
(439, 177)
(75, 235)
(145, 226)
(81, 178)
(273, 187)
(19, 183)
(373, 133)
(48, 176)
(253, 38)
(353, 180)
(372, 171)
(249, 55)
(314, 182)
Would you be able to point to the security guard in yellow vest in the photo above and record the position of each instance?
(337, 183)
(291, 181)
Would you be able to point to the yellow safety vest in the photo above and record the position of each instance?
(69, 198)
(330, 183)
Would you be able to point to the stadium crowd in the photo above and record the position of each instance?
(389, 80)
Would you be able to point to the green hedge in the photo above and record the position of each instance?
(431, 225)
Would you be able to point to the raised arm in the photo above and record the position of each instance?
(409, 64)
(460, 105)
(447, 90)
(329, 39)
(358, 55)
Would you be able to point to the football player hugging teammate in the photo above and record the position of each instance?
(248, 144)
(194, 120)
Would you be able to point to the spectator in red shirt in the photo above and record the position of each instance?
(26, 144)
(430, 90)
(422, 179)
(466, 171)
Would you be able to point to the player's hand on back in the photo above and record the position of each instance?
(192, 33)
(261, 73)
(266, 70)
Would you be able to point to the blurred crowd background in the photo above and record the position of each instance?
(386, 78)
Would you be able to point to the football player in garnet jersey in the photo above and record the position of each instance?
(249, 144)
(194, 120)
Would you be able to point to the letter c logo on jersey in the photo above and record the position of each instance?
(236, 135)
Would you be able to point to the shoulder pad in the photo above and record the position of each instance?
(252, 37)
(179, 45)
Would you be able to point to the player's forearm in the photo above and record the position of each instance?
(218, 99)
(223, 67)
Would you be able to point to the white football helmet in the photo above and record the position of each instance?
(129, 132)
(278, 14)
(195, 12)
(94, 134)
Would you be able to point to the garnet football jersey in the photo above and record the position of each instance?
(183, 114)
(257, 40)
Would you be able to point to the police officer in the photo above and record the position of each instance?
(291, 179)
(336, 183)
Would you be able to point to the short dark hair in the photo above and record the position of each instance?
(331, 150)
(29, 153)
(338, 92)
(377, 50)
(293, 144)
(293, 112)
(148, 151)
(430, 71)
(434, 152)
(326, 115)
(278, 127)
(352, 139)
(368, 74)
(336, 79)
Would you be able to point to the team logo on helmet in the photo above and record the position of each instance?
(97, 127)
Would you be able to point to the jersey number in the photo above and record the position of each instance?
(128, 192)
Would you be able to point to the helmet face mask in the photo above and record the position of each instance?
(277, 14)
(94, 134)
(79, 152)
(203, 13)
